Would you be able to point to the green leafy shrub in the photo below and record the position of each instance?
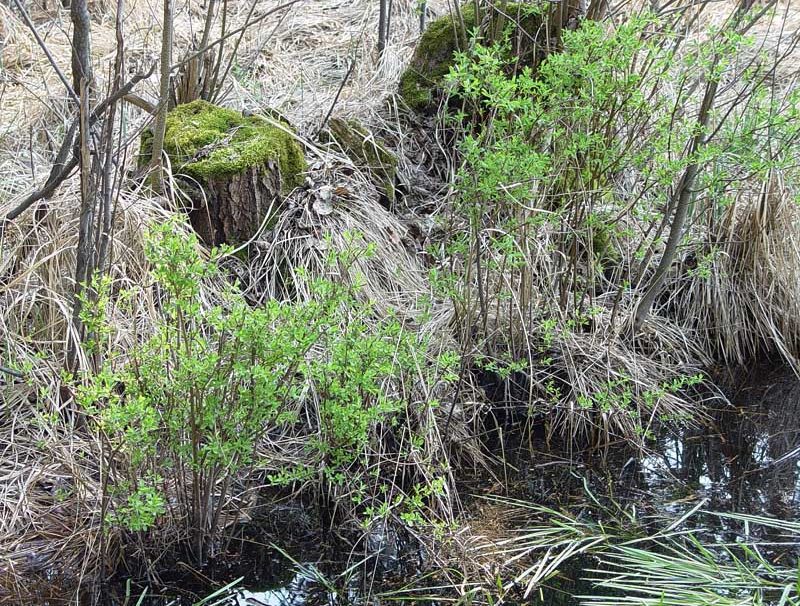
(422, 83)
(568, 180)
(187, 413)
(196, 396)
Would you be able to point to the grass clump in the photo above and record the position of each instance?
(366, 150)
(211, 142)
(643, 560)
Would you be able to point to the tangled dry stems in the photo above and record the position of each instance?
(748, 306)
(50, 497)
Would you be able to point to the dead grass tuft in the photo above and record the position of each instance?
(742, 294)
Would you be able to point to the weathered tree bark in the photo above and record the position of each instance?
(597, 10)
(233, 168)
(237, 205)
(383, 30)
(81, 45)
(82, 83)
(84, 262)
(680, 201)
(565, 14)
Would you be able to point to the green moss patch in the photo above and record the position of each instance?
(433, 58)
(421, 83)
(211, 142)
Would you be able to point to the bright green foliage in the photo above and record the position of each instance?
(561, 125)
(567, 169)
(350, 386)
(422, 82)
(207, 142)
(194, 400)
(141, 507)
(197, 396)
(562, 136)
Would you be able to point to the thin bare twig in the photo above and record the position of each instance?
(63, 167)
(46, 51)
(14, 373)
(338, 92)
(232, 33)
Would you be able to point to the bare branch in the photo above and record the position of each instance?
(81, 45)
(46, 51)
(62, 167)
(160, 126)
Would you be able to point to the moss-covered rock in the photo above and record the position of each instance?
(433, 58)
(205, 141)
(604, 245)
(421, 83)
(365, 150)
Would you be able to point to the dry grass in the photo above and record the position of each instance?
(293, 61)
(611, 389)
(747, 302)
(339, 215)
(50, 497)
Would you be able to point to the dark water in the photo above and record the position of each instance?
(745, 459)
(280, 582)
(316, 570)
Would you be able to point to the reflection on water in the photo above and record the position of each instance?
(746, 460)
(296, 592)
(325, 575)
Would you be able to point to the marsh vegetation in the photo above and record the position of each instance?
(310, 302)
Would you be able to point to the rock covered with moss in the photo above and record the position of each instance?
(240, 164)
(421, 84)
(365, 149)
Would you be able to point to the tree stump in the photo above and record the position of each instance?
(235, 169)
(423, 82)
(236, 205)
